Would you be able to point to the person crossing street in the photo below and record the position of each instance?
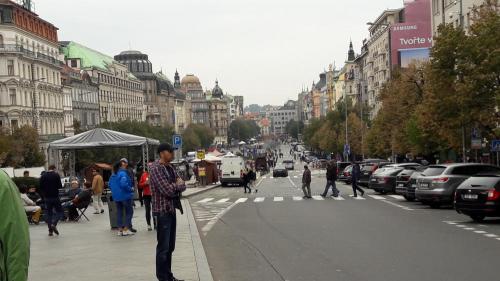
(331, 177)
(306, 182)
(355, 174)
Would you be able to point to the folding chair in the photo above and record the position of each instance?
(84, 200)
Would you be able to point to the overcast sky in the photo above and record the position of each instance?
(265, 50)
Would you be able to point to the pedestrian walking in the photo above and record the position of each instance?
(97, 189)
(146, 196)
(246, 181)
(14, 233)
(166, 187)
(331, 177)
(123, 191)
(356, 172)
(306, 182)
(252, 177)
(50, 183)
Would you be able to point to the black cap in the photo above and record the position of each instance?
(165, 147)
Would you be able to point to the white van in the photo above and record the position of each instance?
(232, 168)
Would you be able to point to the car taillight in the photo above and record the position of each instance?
(386, 179)
(493, 195)
(440, 180)
(404, 178)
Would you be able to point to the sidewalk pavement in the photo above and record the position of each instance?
(192, 191)
(90, 250)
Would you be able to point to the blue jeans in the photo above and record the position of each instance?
(335, 191)
(165, 234)
(52, 204)
(124, 206)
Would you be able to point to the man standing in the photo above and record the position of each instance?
(166, 187)
(50, 183)
(14, 233)
(356, 171)
(306, 182)
(331, 177)
(97, 188)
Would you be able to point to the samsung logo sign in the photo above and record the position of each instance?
(404, 27)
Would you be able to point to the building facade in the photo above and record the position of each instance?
(450, 11)
(218, 114)
(30, 83)
(280, 117)
(191, 86)
(120, 93)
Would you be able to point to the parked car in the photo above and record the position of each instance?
(341, 167)
(406, 182)
(438, 183)
(479, 197)
(383, 180)
(289, 164)
(345, 175)
(280, 171)
(367, 170)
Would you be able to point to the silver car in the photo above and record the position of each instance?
(438, 183)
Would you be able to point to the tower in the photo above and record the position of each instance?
(350, 53)
(177, 80)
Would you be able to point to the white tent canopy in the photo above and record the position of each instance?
(242, 142)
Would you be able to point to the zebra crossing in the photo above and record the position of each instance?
(215, 201)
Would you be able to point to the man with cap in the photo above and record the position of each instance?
(166, 187)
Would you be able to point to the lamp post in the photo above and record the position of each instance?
(34, 105)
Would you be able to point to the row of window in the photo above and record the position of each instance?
(25, 43)
(286, 113)
(119, 82)
(41, 73)
(45, 100)
(121, 97)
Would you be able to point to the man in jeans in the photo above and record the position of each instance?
(331, 177)
(166, 186)
(50, 183)
(306, 182)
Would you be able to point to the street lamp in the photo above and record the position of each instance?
(34, 104)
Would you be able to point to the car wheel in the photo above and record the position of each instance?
(381, 191)
(410, 199)
(223, 184)
(435, 205)
(477, 218)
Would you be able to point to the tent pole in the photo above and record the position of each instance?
(72, 163)
(145, 150)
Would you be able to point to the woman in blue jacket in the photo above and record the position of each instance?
(122, 189)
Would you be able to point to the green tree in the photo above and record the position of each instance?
(197, 136)
(293, 128)
(23, 149)
(241, 129)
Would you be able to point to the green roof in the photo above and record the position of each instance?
(88, 58)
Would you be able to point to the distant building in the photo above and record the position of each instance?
(217, 114)
(190, 85)
(264, 126)
(280, 117)
(31, 92)
(446, 11)
(120, 93)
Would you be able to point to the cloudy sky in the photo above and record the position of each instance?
(265, 50)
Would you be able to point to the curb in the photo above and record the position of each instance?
(204, 273)
(200, 191)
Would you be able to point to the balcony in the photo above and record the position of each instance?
(9, 48)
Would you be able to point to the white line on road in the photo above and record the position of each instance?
(223, 200)
(205, 200)
(480, 232)
(399, 197)
(297, 198)
(460, 225)
(295, 177)
(212, 222)
(338, 198)
(377, 197)
(242, 200)
(469, 228)
(293, 184)
(490, 235)
(259, 199)
(317, 197)
(278, 199)
(357, 197)
(257, 185)
(397, 205)
(450, 222)
(498, 238)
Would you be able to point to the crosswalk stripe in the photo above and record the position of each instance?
(317, 197)
(357, 198)
(295, 177)
(259, 199)
(399, 197)
(223, 200)
(297, 198)
(377, 197)
(278, 199)
(205, 200)
(338, 198)
(242, 200)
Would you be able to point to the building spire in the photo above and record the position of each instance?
(350, 54)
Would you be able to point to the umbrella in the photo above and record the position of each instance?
(242, 143)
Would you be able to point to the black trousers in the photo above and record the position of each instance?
(246, 186)
(355, 187)
(165, 235)
(52, 204)
(141, 197)
(147, 205)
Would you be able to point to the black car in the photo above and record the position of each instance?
(280, 171)
(479, 197)
(345, 175)
(406, 182)
(383, 180)
(367, 170)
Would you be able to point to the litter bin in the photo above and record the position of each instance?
(113, 212)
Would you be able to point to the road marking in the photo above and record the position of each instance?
(399, 197)
(490, 235)
(213, 221)
(278, 199)
(450, 222)
(293, 184)
(357, 197)
(271, 177)
(377, 197)
(338, 198)
(317, 197)
(295, 177)
(297, 198)
(205, 200)
(397, 205)
(460, 225)
(223, 200)
(480, 232)
(242, 200)
(259, 199)
(257, 185)
(498, 238)
(264, 177)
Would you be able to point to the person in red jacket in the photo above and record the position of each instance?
(146, 196)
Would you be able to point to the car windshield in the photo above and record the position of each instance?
(433, 171)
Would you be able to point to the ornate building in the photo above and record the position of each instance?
(120, 93)
(30, 82)
(191, 87)
(218, 114)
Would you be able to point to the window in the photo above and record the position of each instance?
(10, 67)
(74, 63)
(12, 95)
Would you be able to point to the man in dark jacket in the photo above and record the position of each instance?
(331, 177)
(355, 174)
(306, 182)
(50, 183)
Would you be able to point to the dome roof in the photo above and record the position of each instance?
(190, 79)
(130, 52)
(217, 91)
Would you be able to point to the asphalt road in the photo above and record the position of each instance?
(273, 235)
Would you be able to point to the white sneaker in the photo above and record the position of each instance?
(128, 233)
(120, 233)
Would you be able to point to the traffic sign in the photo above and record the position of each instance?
(177, 141)
(200, 154)
(495, 145)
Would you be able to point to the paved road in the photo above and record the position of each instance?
(274, 235)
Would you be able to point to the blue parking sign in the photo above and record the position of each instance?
(177, 141)
(495, 145)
